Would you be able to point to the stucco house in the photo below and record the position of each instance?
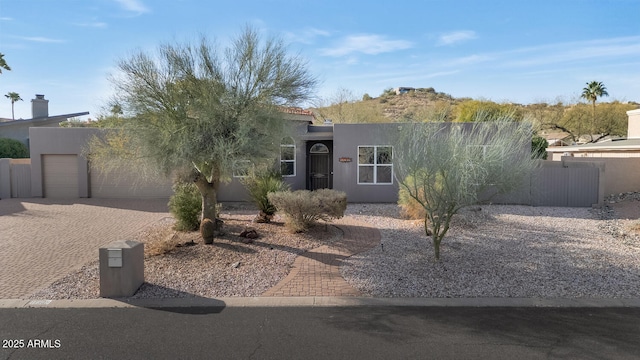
(611, 148)
(355, 158)
(19, 129)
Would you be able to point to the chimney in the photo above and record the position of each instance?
(39, 107)
(633, 130)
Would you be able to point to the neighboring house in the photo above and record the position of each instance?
(557, 138)
(403, 90)
(19, 129)
(610, 148)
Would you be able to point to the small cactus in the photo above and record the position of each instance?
(207, 230)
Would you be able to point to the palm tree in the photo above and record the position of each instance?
(3, 64)
(591, 93)
(14, 96)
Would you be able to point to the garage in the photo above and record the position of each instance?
(60, 176)
(124, 183)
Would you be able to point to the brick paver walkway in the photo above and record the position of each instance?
(317, 272)
(42, 240)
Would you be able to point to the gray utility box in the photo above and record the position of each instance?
(121, 268)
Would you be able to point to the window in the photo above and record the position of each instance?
(319, 149)
(242, 168)
(288, 157)
(375, 164)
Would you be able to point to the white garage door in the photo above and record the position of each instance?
(124, 183)
(60, 176)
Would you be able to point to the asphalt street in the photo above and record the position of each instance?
(366, 332)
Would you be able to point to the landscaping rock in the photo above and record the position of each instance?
(249, 234)
(627, 196)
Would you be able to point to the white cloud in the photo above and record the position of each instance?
(456, 37)
(306, 36)
(95, 24)
(4, 18)
(369, 44)
(133, 6)
(40, 39)
(614, 48)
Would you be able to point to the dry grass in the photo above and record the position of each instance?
(634, 227)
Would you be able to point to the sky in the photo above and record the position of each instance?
(505, 51)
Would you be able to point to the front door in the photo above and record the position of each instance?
(319, 167)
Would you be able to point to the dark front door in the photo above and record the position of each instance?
(319, 167)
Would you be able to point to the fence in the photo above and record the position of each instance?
(566, 186)
(15, 178)
(570, 182)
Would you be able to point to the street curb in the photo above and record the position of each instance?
(318, 301)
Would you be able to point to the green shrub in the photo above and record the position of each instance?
(14, 149)
(186, 206)
(539, 147)
(258, 186)
(302, 208)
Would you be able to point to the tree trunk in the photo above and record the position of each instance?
(593, 121)
(436, 246)
(209, 202)
(209, 192)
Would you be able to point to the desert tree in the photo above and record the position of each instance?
(471, 110)
(14, 97)
(195, 111)
(591, 93)
(576, 121)
(445, 167)
(344, 106)
(3, 64)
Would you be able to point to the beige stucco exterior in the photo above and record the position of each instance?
(620, 175)
(557, 156)
(633, 131)
(67, 143)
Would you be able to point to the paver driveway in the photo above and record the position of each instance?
(42, 240)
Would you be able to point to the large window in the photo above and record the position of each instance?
(288, 157)
(375, 164)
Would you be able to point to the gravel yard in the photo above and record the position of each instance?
(229, 267)
(498, 251)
